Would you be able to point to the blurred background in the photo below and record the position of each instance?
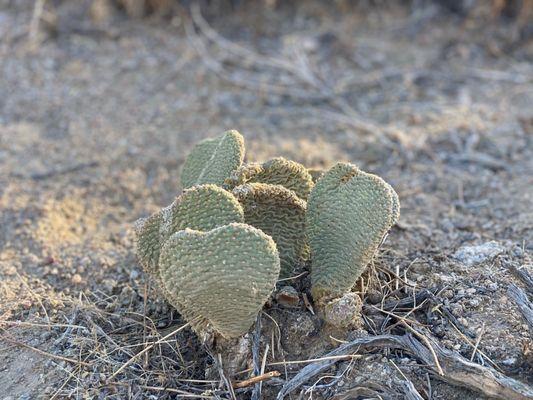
(100, 101)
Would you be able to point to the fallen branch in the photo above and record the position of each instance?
(522, 274)
(523, 303)
(457, 370)
(372, 389)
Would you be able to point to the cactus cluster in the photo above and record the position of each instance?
(218, 250)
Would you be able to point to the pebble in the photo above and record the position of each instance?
(134, 274)
(473, 255)
(509, 361)
(447, 294)
(474, 302)
(76, 279)
(288, 297)
(456, 309)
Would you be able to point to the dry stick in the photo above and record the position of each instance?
(182, 393)
(224, 378)
(309, 361)
(457, 370)
(263, 366)
(144, 319)
(36, 325)
(428, 344)
(472, 344)
(478, 340)
(44, 353)
(256, 379)
(412, 393)
(131, 360)
(256, 394)
(524, 276)
(523, 303)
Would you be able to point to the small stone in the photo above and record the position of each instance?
(76, 279)
(463, 321)
(509, 361)
(473, 255)
(134, 274)
(474, 302)
(456, 309)
(373, 296)
(344, 312)
(288, 297)
(471, 291)
(447, 294)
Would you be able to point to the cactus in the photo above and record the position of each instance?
(278, 212)
(223, 276)
(349, 212)
(218, 250)
(148, 242)
(200, 208)
(213, 160)
(277, 171)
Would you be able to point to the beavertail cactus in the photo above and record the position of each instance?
(278, 212)
(277, 171)
(148, 241)
(348, 214)
(200, 208)
(213, 160)
(223, 276)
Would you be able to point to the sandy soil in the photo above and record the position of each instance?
(96, 118)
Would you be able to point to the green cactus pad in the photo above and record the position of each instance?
(200, 208)
(213, 160)
(224, 276)
(277, 171)
(279, 213)
(148, 242)
(348, 214)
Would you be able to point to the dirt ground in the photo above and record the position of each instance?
(98, 112)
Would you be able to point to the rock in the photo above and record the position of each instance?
(288, 297)
(474, 302)
(344, 312)
(76, 279)
(473, 255)
(509, 361)
(373, 296)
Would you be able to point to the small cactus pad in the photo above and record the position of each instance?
(279, 213)
(148, 242)
(200, 208)
(277, 171)
(348, 214)
(213, 160)
(224, 276)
